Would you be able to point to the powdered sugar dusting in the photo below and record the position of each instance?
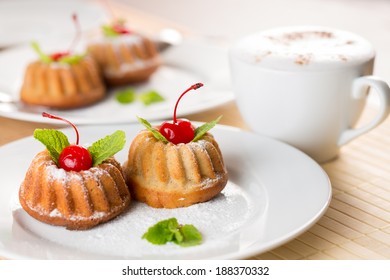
(209, 182)
(221, 221)
(134, 66)
(55, 213)
(131, 39)
(59, 174)
(55, 173)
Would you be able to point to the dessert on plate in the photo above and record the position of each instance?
(175, 164)
(124, 56)
(62, 80)
(72, 186)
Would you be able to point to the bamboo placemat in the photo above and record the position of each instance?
(357, 222)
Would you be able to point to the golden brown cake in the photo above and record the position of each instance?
(76, 200)
(124, 59)
(62, 85)
(174, 175)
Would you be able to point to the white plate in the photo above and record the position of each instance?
(274, 193)
(24, 20)
(183, 65)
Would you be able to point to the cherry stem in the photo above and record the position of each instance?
(50, 116)
(194, 87)
(78, 32)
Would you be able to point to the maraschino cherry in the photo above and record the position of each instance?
(181, 130)
(117, 26)
(73, 157)
(58, 55)
(120, 29)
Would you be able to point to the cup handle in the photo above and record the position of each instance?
(359, 88)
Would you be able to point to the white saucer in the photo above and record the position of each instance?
(274, 193)
(183, 65)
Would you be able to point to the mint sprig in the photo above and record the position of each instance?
(129, 95)
(55, 141)
(125, 96)
(171, 231)
(109, 31)
(201, 130)
(107, 147)
(190, 236)
(71, 59)
(150, 97)
(154, 131)
(42, 56)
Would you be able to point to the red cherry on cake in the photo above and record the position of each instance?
(120, 29)
(181, 130)
(58, 55)
(73, 157)
(118, 26)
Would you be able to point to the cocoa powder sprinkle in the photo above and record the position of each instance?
(343, 58)
(302, 35)
(303, 59)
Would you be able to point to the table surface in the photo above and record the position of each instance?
(357, 223)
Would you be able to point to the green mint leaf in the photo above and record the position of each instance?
(155, 132)
(71, 59)
(125, 96)
(151, 97)
(178, 237)
(42, 56)
(55, 141)
(109, 31)
(170, 231)
(107, 147)
(201, 130)
(190, 236)
(162, 232)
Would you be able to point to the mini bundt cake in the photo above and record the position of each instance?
(124, 57)
(62, 85)
(175, 164)
(73, 186)
(76, 200)
(62, 80)
(169, 175)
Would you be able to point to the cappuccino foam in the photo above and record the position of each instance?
(304, 47)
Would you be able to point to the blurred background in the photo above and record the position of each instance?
(226, 20)
(220, 21)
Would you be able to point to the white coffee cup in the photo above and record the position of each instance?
(307, 86)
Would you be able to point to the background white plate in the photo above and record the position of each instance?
(183, 65)
(274, 193)
(22, 21)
